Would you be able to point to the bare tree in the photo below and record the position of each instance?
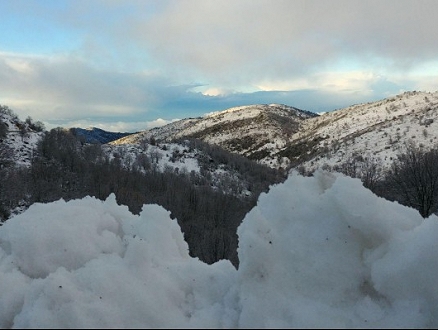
(413, 179)
(144, 144)
(6, 154)
(3, 129)
(370, 174)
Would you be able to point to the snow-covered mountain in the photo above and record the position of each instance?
(377, 131)
(285, 137)
(223, 171)
(278, 135)
(255, 131)
(184, 166)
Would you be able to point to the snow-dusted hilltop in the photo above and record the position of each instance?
(254, 131)
(283, 136)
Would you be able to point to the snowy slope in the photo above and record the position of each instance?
(159, 133)
(254, 131)
(180, 158)
(377, 130)
(282, 136)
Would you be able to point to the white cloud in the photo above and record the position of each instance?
(65, 88)
(332, 82)
(346, 82)
(229, 40)
(113, 126)
(143, 58)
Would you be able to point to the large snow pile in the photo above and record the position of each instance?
(314, 252)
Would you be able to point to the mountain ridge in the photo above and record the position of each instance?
(313, 140)
(285, 137)
(98, 135)
(246, 130)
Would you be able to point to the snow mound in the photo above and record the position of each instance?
(315, 252)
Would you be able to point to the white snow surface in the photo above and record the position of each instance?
(315, 252)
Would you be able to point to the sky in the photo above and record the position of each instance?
(316, 252)
(129, 65)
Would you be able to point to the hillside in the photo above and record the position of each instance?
(18, 138)
(255, 131)
(97, 135)
(206, 188)
(376, 131)
(285, 137)
(67, 185)
(275, 135)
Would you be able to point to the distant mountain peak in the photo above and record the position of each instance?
(98, 135)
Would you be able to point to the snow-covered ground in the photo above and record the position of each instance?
(178, 158)
(22, 144)
(160, 155)
(315, 252)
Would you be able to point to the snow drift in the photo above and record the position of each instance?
(315, 252)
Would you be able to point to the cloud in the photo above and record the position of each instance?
(229, 41)
(215, 91)
(113, 126)
(135, 61)
(65, 89)
(329, 81)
